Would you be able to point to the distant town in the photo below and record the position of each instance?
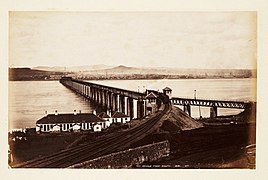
(103, 72)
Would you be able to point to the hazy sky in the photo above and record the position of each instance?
(179, 39)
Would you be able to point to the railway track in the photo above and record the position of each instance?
(100, 147)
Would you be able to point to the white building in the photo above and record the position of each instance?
(105, 117)
(97, 128)
(56, 128)
(70, 122)
(119, 117)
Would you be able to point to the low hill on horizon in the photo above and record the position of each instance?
(72, 68)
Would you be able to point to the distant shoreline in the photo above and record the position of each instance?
(128, 73)
(142, 79)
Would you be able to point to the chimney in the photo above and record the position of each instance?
(80, 111)
(45, 112)
(56, 113)
(75, 113)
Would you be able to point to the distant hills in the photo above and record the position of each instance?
(72, 69)
(95, 72)
(144, 72)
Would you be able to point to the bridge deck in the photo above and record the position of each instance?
(129, 93)
(210, 103)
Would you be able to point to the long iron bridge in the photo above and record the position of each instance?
(134, 103)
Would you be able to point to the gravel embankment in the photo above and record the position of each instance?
(177, 120)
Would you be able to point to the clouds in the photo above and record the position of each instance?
(182, 39)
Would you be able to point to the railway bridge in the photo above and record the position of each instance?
(110, 99)
(213, 104)
(134, 104)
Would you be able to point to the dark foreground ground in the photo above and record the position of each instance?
(223, 146)
(223, 143)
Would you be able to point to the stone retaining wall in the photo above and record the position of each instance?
(128, 158)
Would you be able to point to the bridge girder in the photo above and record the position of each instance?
(209, 103)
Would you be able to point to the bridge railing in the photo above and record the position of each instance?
(212, 99)
(211, 103)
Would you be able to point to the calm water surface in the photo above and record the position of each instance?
(28, 100)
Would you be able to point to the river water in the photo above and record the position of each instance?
(28, 100)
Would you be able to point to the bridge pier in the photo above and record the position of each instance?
(88, 91)
(144, 108)
(122, 104)
(213, 112)
(83, 90)
(135, 107)
(101, 99)
(104, 101)
(130, 110)
(125, 101)
(108, 99)
(140, 108)
(94, 96)
(97, 96)
(187, 109)
(114, 102)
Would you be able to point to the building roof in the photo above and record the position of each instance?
(103, 115)
(151, 96)
(119, 115)
(167, 89)
(69, 118)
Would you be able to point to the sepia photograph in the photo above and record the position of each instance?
(132, 90)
